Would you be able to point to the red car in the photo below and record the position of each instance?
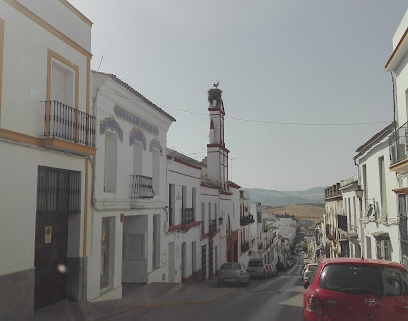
(356, 289)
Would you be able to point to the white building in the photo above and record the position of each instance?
(46, 137)
(379, 218)
(184, 226)
(333, 207)
(349, 220)
(398, 66)
(248, 233)
(129, 189)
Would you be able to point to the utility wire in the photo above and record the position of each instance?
(257, 120)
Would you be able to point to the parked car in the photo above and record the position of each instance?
(281, 266)
(257, 268)
(356, 289)
(233, 272)
(309, 270)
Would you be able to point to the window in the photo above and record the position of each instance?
(62, 83)
(383, 188)
(111, 145)
(156, 171)
(172, 200)
(368, 245)
(137, 158)
(202, 218)
(384, 249)
(193, 202)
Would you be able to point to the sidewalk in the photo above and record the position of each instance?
(136, 296)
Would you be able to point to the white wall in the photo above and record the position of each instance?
(18, 199)
(25, 54)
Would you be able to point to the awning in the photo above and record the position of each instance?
(381, 235)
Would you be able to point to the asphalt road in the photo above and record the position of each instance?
(279, 298)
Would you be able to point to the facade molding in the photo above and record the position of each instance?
(33, 17)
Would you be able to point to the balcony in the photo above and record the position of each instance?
(212, 226)
(342, 222)
(68, 129)
(245, 220)
(398, 150)
(244, 247)
(141, 187)
(187, 215)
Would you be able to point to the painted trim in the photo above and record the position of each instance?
(55, 143)
(76, 12)
(113, 125)
(1, 59)
(403, 190)
(67, 146)
(184, 174)
(403, 38)
(184, 162)
(88, 83)
(155, 144)
(399, 165)
(23, 10)
(85, 210)
(219, 146)
(137, 135)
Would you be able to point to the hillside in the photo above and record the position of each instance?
(307, 212)
(282, 198)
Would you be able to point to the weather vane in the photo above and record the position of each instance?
(217, 84)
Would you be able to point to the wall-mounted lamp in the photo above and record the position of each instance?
(359, 192)
(220, 219)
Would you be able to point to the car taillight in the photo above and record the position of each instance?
(313, 304)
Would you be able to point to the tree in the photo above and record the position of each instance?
(305, 247)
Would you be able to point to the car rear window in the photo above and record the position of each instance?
(358, 279)
(230, 266)
(255, 264)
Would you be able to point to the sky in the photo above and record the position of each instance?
(303, 81)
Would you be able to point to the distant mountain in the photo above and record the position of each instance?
(275, 198)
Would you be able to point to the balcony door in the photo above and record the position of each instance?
(62, 84)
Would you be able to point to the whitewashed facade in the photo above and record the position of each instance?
(129, 190)
(183, 227)
(398, 66)
(44, 69)
(349, 226)
(379, 233)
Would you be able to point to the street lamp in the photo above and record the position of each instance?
(220, 220)
(359, 192)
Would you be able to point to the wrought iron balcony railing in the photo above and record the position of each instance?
(212, 224)
(187, 215)
(245, 220)
(68, 123)
(244, 247)
(398, 144)
(141, 187)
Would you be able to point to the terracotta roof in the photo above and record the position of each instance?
(174, 154)
(136, 93)
(375, 139)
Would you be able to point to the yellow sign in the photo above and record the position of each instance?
(48, 234)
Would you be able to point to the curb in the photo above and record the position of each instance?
(175, 289)
(196, 302)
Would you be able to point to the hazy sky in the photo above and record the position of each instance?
(282, 61)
